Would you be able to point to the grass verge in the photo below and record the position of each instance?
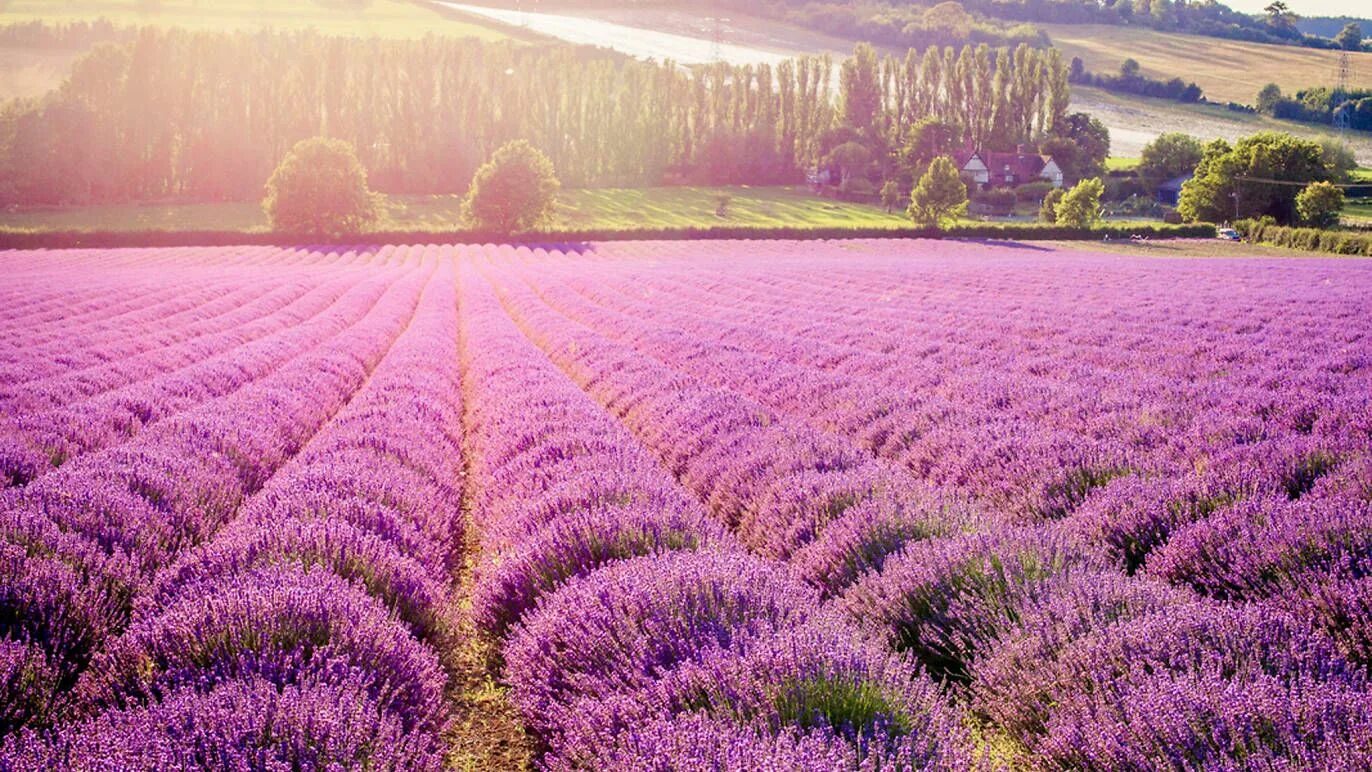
(580, 209)
(566, 237)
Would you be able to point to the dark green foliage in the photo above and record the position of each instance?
(571, 237)
(320, 188)
(1319, 105)
(175, 115)
(1232, 182)
(1048, 210)
(1319, 204)
(1080, 206)
(1169, 156)
(1310, 239)
(891, 196)
(996, 201)
(941, 195)
(898, 25)
(1033, 192)
(1129, 81)
(918, 25)
(928, 139)
(1350, 37)
(852, 160)
(860, 88)
(515, 191)
(1080, 144)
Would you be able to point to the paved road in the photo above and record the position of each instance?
(634, 41)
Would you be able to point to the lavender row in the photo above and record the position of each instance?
(684, 659)
(1103, 672)
(786, 488)
(331, 584)
(866, 402)
(642, 600)
(36, 444)
(77, 342)
(40, 303)
(127, 285)
(138, 298)
(960, 605)
(1289, 463)
(70, 345)
(197, 317)
(854, 403)
(80, 543)
(1286, 467)
(558, 487)
(164, 345)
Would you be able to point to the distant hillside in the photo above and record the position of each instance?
(1227, 70)
(1329, 26)
(919, 23)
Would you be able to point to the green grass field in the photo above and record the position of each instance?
(1227, 70)
(384, 18)
(1358, 212)
(680, 207)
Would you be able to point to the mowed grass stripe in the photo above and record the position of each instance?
(606, 208)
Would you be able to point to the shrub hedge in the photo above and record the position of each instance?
(20, 239)
(1338, 242)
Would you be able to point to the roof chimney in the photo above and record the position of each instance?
(1023, 149)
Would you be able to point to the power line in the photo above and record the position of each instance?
(1268, 181)
(1341, 117)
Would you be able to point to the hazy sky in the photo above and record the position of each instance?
(1359, 8)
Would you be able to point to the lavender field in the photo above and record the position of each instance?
(714, 506)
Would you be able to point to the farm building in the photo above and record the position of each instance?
(1169, 193)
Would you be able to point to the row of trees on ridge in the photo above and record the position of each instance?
(201, 116)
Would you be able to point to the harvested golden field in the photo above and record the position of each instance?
(1227, 70)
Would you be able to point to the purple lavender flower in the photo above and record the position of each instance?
(403, 585)
(1255, 549)
(819, 680)
(1204, 685)
(238, 724)
(628, 624)
(280, 624)
(943, 600)
(28, 685)
(576, 544)
(1015, 681)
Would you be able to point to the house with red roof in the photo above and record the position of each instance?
(988, 169)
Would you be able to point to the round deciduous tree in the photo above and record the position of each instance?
(515, 191)
(1080, 206)
(320, 188)
(1048, 210)
(1318, 204)
(940, 196)
(1170, 155)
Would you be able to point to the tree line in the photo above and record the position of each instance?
(1319, 105)
(919, 22)
(1130, 81)
(206, 116)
